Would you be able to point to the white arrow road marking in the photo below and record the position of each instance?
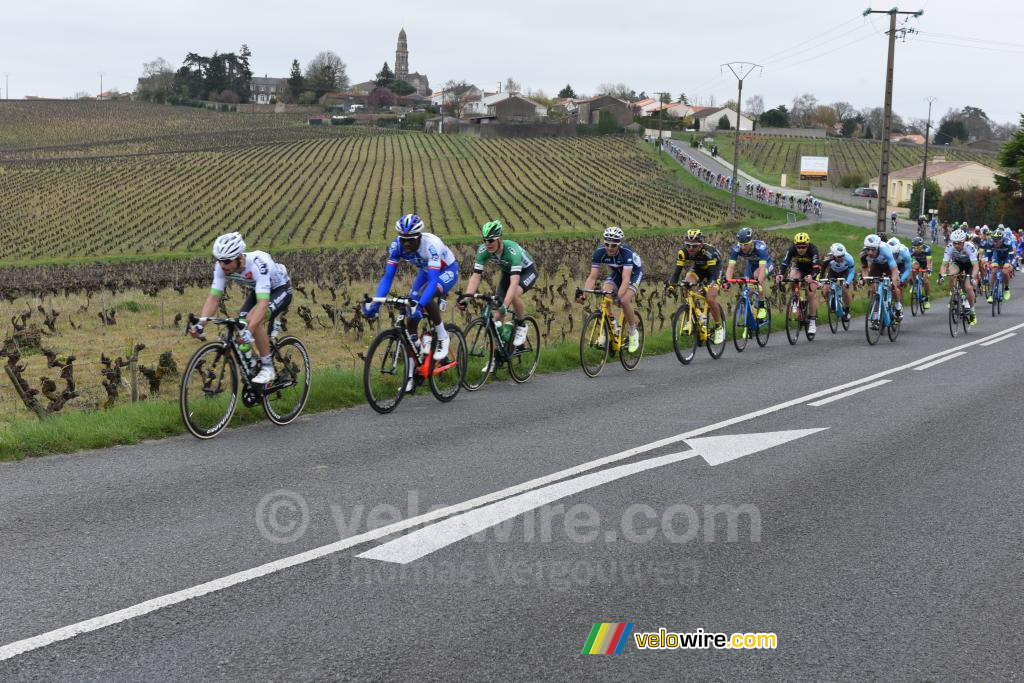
(851, 392)
(714, 449)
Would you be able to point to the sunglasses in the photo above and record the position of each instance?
(490, 240)
(225, 261)
(611, 244)
(801, 246)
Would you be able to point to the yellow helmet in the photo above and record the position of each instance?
(694, 235)
(801, 238)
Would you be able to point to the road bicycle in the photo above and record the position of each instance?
(982, 287)
(744, 315)
(837, 313)
(602, 334)
(881, 312)
(690, 326)
(796, 311)
(959, 306)
(917, 295)
(486, 350)
(396, 360)
(210, 383)
(998, 288)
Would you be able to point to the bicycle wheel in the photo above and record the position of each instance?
(893, 327)
(954, 316)
(685, 336)
(965, 316)
(997, 296)
(480, 356)
(740, 331)
(447, 374)
(916, 301)
(631, 360)
(286, 397)
(793, 321)
(873, 320)
(833, 316)
(846, 319)
(764, 327)
(594, 342)
(523, 360)
(209, 390)
(386, 371)
(716, 350)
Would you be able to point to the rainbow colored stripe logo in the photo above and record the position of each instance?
(607, 639)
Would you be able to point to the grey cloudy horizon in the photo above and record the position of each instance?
(58, 48)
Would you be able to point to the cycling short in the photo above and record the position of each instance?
(527, 279)
(804, 269)
(707, 276)
(878, 269)
(280, 298)
(445, 281)
(635, 278)
(965, 267)
(919, 265)
(752, 266)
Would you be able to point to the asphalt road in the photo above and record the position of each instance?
(878, 535)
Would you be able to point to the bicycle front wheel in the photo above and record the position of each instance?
(793, 320)
(764, 327)
(833, 315)
(480, 359)
(630, 359)
(448, 373)
(716, 350)
(873, 320)
(685, 336)
(893, 329)
(523, 360)
(209, 390)
(740, 331)
(594, 342)
(286, 397)
(386, 371)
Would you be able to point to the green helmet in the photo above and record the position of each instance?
(492, 229)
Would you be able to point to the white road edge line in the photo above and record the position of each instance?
(941, 360)
(50, 637)
(851, 392)
(1003, 338)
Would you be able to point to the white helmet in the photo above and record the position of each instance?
(1002, 227)
(872, 242)
(228, 247)
(837, 250)
(895, 243)
(958, 236)
(613, 234)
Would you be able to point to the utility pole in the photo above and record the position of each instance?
(7, 86)
(740, 70)
(661, 114)
(100, 96)
(883, 176)
(924, 166)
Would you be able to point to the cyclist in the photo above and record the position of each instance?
(759, 265)
(518, 273)
(703, 264)
(438, 273)
(1001, 258)
(945, 232)
(838, 265)
(962, 254)
(802, 262)
(270, 289)
(934, 225)
(922, 255)
(893, 219)
(904, 263)
(627, 272)
(876, 260)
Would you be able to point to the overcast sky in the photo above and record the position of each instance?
(966, 53)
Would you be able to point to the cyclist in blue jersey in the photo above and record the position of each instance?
(438, 273)
(626, 274)
(904, 262)
(759, 264)
(962, 254)
(876, 260)
(1001, 258)
(922, 255)
(838, 265)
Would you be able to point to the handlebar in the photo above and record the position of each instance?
(489, 298)
(742, 280)
(388, 300)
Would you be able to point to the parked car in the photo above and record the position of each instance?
(865, 192)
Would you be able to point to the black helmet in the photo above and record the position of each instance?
(917, 242)
(745, 235)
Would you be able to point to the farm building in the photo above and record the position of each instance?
(708, 118)
(950, 175)
(589, 111)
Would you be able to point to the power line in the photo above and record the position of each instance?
(823, 54)
(971, 47)
(800, 46)
(969, 39)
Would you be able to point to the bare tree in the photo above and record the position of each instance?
(512, 85)
(456, 95)
(620, 90)
(754, 106)
(802, 112)
(157, 80)
(326, 72)
(824, 116)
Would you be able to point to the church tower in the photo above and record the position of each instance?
(402, 58)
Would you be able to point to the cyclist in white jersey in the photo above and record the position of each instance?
(269, 287)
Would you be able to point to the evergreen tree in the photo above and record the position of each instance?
(567, 91)
(385, 76)
(296, 83)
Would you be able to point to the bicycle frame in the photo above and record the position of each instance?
(423, 368)
(607, 316)
(835, 295)
(885, 293)
(748, 297)
(698, 307)
(490, 303)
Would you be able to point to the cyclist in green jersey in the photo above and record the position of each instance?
(518, 273)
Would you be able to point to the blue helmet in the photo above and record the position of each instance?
(409, 225)
(745, 235)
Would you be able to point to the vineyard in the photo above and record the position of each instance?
(335, 188)
(94, 317)
(767, 158)
(49, 123)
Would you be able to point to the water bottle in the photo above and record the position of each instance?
(245, 348)
(425, 344)
(506, 332)
(615, 327)
(275, 329)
